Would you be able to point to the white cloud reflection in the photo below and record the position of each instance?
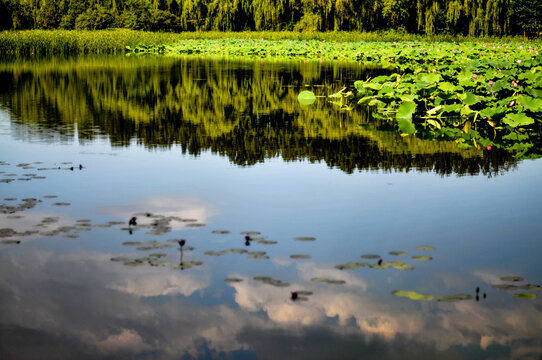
(126, 312)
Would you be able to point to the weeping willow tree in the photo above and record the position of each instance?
(467, 17)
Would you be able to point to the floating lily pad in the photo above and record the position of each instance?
(195, 225)
(512, 278)
(50, 219)
(530, 287)
(7, 232)
(145, 248)
(187, 264)
(257, 255)
(422, 258)
(232, 280)
(120, 258)
(221, 232)
(454, 298)
(83, 221)
(412, 295)
(158, 255)
(61, 203)
(425, 248)
(270, 281)
(11, 241)
(115, 222)
(370, 256)
(304, 238)
(300, 256)
(306, 97)
(6, 180)
(351, 265)
(264, 241)
(398, 253)
(15, 216)
(525, 296)
(134, 263)
(10, 199)
(505, 287)
(250, 233)
(329, 281)
(71, 236)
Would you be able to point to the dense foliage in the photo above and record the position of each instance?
(467, 17)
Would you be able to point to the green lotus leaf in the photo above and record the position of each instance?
(525, 296)
(306, 97)
(413, 295)
(530, 103)
(515, 120)
(425, 248)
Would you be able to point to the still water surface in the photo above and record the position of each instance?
(208, 149)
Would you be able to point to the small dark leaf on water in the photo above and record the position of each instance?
(300, 256)
(220, 232)
(304, 238)
(370, 256)
(425, 248)
(512, 278)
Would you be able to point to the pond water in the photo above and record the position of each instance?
(362, 243)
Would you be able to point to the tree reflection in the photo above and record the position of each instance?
(246, 111)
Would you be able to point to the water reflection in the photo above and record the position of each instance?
(247, 111)
(113, 311)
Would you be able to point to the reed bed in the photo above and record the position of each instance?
(115, 41)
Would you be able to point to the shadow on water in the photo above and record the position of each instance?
(247, 111)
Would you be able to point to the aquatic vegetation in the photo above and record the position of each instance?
(300, 256)
(328, 281)
(413, 295)
(352, 265)
(479, 95)
(454, 298)
(422, 258)
(304, 238)
(233, 280)
(512, 278)
(270, 281)
(398, 253)
(221, 232)
(370, 256)
(425, 248)
(525, 296)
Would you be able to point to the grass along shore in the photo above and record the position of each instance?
(76, 42)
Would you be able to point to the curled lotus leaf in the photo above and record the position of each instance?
(525, 296)
(304, 238)
(512, 278)
(397, 253)
(370, 256)
(425, 248)
(454, 298)
(300, 256)
(329, 281)
(422, 258)
(413, 295)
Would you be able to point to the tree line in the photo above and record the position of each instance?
(457, 17)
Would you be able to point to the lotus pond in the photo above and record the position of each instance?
(200, 208)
